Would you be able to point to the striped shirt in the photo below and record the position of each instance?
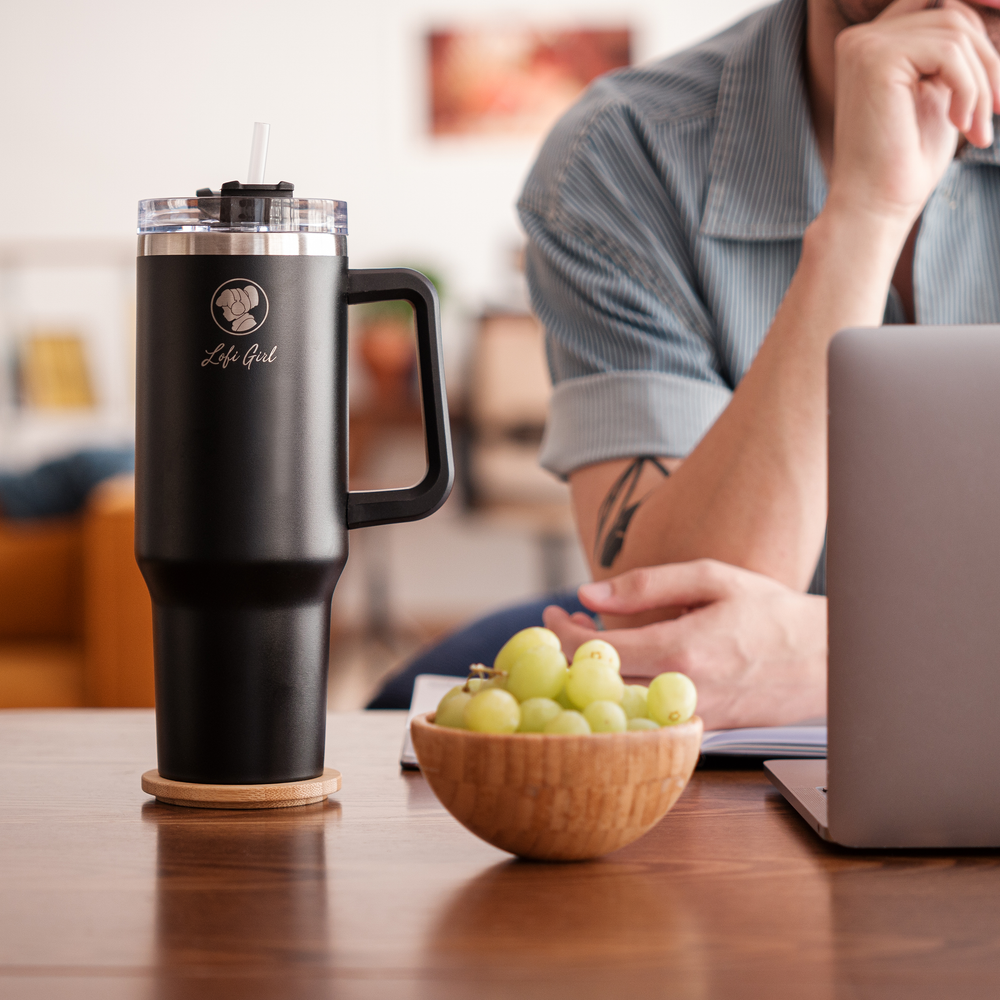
(665, 217)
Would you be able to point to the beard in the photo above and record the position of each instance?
(862, 11)
(859, 11)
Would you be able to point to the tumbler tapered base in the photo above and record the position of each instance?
(241, 692)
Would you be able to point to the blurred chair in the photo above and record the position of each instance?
(509, 390)
(75, 616)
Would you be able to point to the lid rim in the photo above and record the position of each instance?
(240, 213)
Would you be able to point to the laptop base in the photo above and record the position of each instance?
(803, 783)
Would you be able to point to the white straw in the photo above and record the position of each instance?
(258, 153)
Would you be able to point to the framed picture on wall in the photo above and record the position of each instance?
(514, 81)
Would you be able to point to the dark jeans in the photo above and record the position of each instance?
(60, 486)
(476, 643)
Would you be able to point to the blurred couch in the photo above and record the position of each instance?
(75, 617)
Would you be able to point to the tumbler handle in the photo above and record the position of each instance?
(370, 507)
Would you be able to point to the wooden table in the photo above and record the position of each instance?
(107, 894)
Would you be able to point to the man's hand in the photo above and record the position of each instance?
(908, 84)
(755, 649)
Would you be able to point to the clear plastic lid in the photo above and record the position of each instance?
(244, 208)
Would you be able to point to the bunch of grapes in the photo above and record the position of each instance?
(532, 689)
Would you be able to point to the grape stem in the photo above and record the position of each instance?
(479, 671)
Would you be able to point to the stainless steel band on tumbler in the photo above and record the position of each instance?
(242, 244)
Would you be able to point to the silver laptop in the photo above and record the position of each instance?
(913, 578)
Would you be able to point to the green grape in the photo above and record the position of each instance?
(605, 717)
(526, 639)
(672, 699)
(563, 696)
(537, 673)
(537, 713)
(450, 711)
(569, 723)
(457, 689)
(598, 649)
(634, 701)
(492, 711)
(593, 680)
(496, 681)
(637, 725)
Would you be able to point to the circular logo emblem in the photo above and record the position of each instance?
(239, 306)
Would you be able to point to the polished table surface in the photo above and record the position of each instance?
(379, 893)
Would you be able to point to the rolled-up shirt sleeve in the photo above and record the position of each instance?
(611, 266)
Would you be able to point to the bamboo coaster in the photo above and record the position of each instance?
(271, 796)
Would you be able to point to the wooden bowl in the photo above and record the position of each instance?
(557, 798)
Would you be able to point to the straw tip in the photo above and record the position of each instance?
(258, 152)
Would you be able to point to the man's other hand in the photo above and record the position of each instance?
(907, 85)
(755, 649)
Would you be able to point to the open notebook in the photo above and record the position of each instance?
(777, 741)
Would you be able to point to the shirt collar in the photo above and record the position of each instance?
(766, 176)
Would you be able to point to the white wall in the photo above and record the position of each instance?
(107, 102)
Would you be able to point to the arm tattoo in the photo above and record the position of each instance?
(617, 509)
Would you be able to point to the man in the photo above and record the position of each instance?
(698, 231)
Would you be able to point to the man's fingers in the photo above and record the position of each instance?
(982, 59)
(645, 651)
(902, 7)
(952, 58)
(989, 59)
(961, 71)
(957, 16)
(554, 613)
(969, 13)
(568, 628)
(961, 40)
(981, 134)
(959, 52)
(673, 585)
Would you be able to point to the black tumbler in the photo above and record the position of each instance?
(242, 502)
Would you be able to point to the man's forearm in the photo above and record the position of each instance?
(753, 492)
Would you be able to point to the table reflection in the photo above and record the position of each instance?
(241, 901)
(926, 923)
(521, 927)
